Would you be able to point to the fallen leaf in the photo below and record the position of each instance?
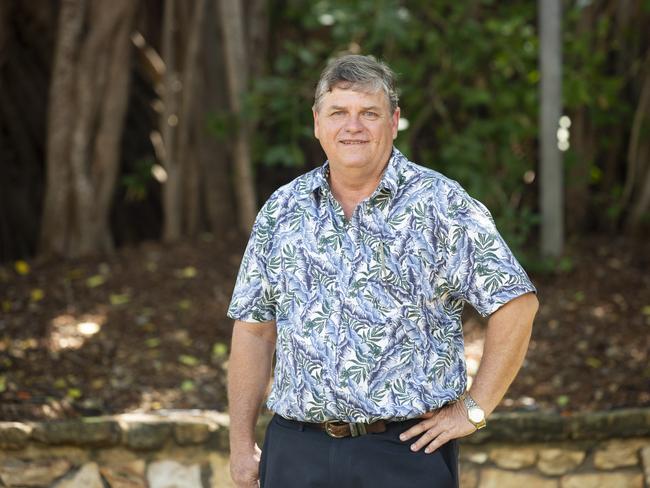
(119, 299)
(188, 360)
(188, 385)
(74, 393)
(36, 295)
(184, 304)
(562, 400)
(21, 267)
(187, 272)
(219, 350)
(95, 281)
(152, 342)
(593, 362)
(75, 273)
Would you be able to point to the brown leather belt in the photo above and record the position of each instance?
(338, 429)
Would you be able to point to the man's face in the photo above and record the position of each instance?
(355, 128)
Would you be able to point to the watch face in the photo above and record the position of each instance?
(476, 415)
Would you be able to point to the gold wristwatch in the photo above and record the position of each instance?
(475, 413)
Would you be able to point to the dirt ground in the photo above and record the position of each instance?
(146, 330)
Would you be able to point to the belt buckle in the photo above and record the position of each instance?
(328, 428)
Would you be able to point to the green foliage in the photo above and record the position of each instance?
(469, 79)
(136, 182)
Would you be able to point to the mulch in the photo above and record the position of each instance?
(145, 329)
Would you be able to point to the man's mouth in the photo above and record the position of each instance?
(353, 142)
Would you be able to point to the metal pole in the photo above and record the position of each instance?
(551, 170)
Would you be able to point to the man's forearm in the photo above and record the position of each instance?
(506, 343)
(249, 371)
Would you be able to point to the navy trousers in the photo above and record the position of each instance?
(296, 455)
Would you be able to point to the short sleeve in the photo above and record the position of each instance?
(481, 266)
(253, 298)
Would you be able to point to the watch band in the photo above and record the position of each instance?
(470, 404)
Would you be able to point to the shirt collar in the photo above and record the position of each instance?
(390, 179)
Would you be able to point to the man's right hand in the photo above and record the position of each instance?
(245, 467)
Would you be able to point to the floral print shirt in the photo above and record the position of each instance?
(368, 310)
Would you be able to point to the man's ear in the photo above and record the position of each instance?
(395, 122)
(315, 115)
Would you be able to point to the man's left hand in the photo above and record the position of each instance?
(440, 426)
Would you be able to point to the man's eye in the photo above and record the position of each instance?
(338, 112)
(371, 114)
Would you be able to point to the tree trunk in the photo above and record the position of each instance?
(583, 140)
(637, 188)
(168, 124)
(88, 96)
(190, 124)
(237, 69)
(216, 155)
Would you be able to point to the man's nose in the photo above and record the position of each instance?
(353, 124)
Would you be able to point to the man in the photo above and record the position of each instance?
(355, 275)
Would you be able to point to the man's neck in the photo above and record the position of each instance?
(350, 187)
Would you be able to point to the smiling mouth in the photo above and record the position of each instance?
(352, 143)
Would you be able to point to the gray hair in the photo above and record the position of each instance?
(356, 72)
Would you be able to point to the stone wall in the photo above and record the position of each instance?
(189, 449)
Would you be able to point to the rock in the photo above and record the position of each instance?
(559, 461)
(170, 474)
(468, 476)
(475, 456)
(84, 432)
(186, 433)
(220, 468)
(513, 457)
(618, 454)
(496, 478)
(645, 459)
(14, 435)
(627, 422)
(86, 477)
(117, 456)
(603, 480)
(41, 472)
(147, 435)
(127, 475)
(520, 427)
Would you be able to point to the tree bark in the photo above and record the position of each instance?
(583, 139)
(88, 96)
(190, 124)
(231, 19)
(216, 155)
(168, 124)
(637, 188)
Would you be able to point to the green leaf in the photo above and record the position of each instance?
(119, 299)
(74, 393)
(562, 400)
(188, 360)
(219, 350)
(95, 281)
